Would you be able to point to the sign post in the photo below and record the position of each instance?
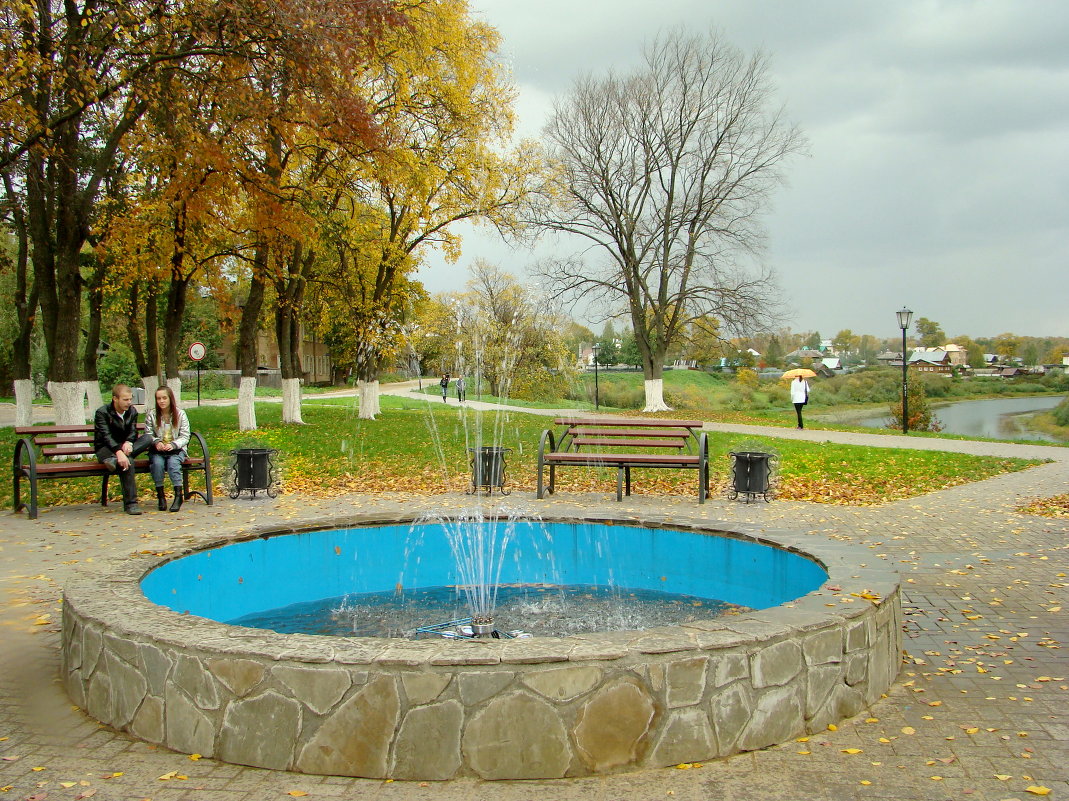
(196, 353)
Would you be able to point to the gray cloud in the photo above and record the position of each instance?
(939, 135)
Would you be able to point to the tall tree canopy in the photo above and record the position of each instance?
(666, 171)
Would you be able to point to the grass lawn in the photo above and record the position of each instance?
(418, 446)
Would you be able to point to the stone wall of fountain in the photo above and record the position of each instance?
(517, 709)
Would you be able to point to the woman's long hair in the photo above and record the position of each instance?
(172, 412)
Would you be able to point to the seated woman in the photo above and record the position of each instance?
(169, 428)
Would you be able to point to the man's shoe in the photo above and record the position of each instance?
(132, 509)
(112, 464)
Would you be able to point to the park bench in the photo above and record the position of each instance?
(676, 444)
(53, 452)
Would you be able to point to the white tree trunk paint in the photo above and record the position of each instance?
(151, 384)
(655, 396)
(291, 400)
(93, 396)
(369, 399)
(23, 402)
(247, 404)
(176, 387)
(68, 402)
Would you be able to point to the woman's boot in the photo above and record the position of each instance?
(176, 504)
(161, 499)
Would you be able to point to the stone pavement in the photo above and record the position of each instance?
(980, 709)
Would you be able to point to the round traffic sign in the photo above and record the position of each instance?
(197, 351)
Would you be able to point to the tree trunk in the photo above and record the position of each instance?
(289, 287)
(68, 402)
(92, 338)
(25, 311)
(368, 384)
(146, 354)
(655, 396)
(23, 402)
(93, 397)
(151, 383)
(176, 297)
(247, 330)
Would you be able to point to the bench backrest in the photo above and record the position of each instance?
(62, 440)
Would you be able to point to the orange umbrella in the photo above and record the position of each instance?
(798, 372)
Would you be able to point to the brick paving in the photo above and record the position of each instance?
(980, 709)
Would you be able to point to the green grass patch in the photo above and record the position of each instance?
(418, 446)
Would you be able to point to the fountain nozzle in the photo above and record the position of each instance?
(482, 626)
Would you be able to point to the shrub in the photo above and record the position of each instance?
(117, 366)
(1061, 413)
(920, 411)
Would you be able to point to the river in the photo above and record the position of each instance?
(997, 418)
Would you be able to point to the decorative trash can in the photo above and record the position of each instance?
(751, 474)
(488, 469)
(253, 470)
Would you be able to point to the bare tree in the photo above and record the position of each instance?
(665, 173)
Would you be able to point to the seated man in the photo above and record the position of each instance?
(116, 442)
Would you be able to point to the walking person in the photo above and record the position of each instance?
(460, 389)
(799, 396)
(444, 384)
(116, 443)
(169, 428)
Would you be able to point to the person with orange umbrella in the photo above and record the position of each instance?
(799, 390)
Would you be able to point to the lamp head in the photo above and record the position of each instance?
(904, 316)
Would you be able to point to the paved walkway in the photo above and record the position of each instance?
(980, 709)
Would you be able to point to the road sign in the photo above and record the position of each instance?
(197, 351)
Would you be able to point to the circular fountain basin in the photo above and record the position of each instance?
(823, 643)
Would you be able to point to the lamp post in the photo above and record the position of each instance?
(904, 316)
(596, 347)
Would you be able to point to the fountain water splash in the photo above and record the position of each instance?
(478, 543)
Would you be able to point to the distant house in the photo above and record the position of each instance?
(1012, 372)
(832, 362)
(959, 357)
(796, 356)
(930, 360)
(890, 358)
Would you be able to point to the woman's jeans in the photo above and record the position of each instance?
(169, 462)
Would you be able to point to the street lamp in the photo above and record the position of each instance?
(904, 316)
(596, 347)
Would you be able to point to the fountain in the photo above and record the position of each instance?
(538, 707)
(174, 669)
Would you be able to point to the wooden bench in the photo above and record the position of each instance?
(621, 432)
(48, 452)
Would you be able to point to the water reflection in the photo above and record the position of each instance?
(997, 418)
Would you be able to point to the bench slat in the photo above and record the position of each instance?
(601, 442)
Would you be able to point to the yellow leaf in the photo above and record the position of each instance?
(684, 766)
(297, 793)
(908, 730)
(1002, 777)
(68, 785)
(865, 782)
(851, 750)
(832, 727)
(195, 757)
(872, 720)
(972, 730)
(1034, 790)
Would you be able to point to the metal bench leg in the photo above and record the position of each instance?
(619, 483)
(627, 473)
(541, 467)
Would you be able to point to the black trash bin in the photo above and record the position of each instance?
(253, 470)
(488, 468)
(751, 473)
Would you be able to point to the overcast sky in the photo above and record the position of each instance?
(938, 166)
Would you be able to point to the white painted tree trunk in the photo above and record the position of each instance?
(291, 400)
(176, 387)
(655, 396)
(93, 396)
(369, 399)
(68, 402)
(151, 383)
(247, 404)
(23, 402)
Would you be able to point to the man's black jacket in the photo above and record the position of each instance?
(111, 431)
